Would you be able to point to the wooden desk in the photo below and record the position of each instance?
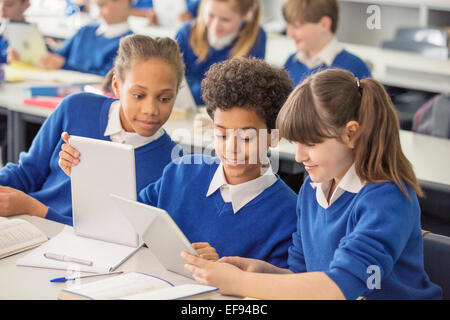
(17, 282)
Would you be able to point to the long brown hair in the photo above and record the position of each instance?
(246, 37)
(325, 102)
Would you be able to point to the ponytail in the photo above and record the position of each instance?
(378, 153)
(325, 102)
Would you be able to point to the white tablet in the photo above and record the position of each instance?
(159, 232)
(185, 99)
(105, 167)
(27, 41)
(167, 12)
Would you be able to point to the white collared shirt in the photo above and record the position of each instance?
(116, 132)
(350, 182)
(110, 31)
(241, 194)
(326, 55)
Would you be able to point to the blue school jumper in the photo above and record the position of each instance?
(195, 70)
(262, 229)
(38, 173)
(374, 230)
(3, 46)
(344, 60)
(88, 52)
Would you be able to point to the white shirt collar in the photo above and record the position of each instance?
(350, 182)
(118, 134)
(326, 55)
(110, 31)
(241, 194)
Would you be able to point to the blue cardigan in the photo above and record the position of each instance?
(88, 52)
(195, 70)
(344, 60)
(377, 228)
(38, 173)
(262, 229)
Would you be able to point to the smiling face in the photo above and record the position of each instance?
(241, 142)
(325, 161)
(147, 95)
(220, 18)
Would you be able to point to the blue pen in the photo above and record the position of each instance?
(64, 279)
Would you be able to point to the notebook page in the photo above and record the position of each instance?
(172, 293)
(17, 235)
(105, 256)
(119, 286)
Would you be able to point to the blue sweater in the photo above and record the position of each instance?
(3, 46)
(82, 114)
(378, 227)
(195, 70)
(262, 229)
(344, 60)
(88, 52)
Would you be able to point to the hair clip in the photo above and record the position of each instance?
(359, 86)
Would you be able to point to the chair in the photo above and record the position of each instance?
(436, 251)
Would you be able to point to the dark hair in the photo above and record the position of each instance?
(321, 106)
(246, 83)
(140, 47)
(304, 11)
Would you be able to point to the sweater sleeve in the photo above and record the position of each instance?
(296, 258)
(149, 195)
(52, 214)
(33, 168)
(383, 222)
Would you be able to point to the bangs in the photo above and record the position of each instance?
(299, 120)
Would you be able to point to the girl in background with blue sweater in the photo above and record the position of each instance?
(358, 217)
(223, 29)
(93, 48)
(147, 74)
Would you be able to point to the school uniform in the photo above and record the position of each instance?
(255, 219)
(333, 55)
(195, 69)
(3, 49)
(367, 239)
(38, 173)
(93, 48)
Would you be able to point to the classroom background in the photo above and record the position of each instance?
(405, 43)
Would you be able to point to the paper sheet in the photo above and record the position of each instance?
(106, 256)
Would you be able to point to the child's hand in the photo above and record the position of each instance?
(51, 62)
(185, 16)
(205, 251)
(14, 202)
(251, 265)
(151, 16)
(225, 276)
(11, 55)
(69, 156)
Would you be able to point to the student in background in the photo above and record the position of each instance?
(93, 48)
(144, 8)
(223, 29)
(147, 75)
(234, 202)
(358, 226)
(12, 10)
(313, 24)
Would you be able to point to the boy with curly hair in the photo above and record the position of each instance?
(234, 203)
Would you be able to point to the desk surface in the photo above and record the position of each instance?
(429, 155)
(17, 282)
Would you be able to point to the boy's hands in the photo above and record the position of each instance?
(68, 156)
(205, 251)
(51, 62)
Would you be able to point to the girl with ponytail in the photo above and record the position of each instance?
(358, 218)
(223, 29)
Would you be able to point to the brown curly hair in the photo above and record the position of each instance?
(246, 83)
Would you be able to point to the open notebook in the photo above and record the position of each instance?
(105, 256)
(134, 286)
(17, 235)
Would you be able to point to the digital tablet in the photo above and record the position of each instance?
(27, 41)
(105, 167)
(159, 232)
